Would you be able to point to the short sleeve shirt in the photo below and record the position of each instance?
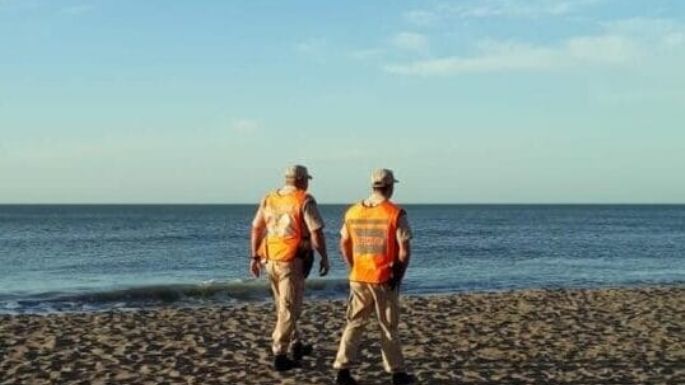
(310, 211)
(404, 232)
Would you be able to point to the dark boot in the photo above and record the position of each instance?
(345, 378)
(300, 350)
(283, 363)
(402, 378)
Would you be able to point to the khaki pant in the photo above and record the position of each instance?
(364, 299)
(287, 286)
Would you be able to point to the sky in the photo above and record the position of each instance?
(470, 101)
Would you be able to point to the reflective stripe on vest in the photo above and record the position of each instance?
(283, 216)
(374, 243)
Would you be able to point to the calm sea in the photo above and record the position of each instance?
(93, 257)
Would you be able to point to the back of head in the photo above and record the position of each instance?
(383, 181)
(297, 175)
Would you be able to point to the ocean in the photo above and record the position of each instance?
(65, 258)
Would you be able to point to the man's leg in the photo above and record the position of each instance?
(288, 305)
(274, 277)
(388, 312)
(296, 283)
(359, 308)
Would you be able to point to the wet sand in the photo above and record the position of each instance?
(617, 336)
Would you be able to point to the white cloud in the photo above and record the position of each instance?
(654, 94)
(315, 49)
(661, 32)
(245, 125)
(312, 45)
(621, 43)
(674, 39)
(498, 57)
(477, 9)
(421, 17)
(609, 49)
(410, 41)
(519, 8)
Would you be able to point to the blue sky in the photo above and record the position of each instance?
(488, 101)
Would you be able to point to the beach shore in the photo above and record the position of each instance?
(611, 336)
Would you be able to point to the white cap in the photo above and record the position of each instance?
(297, 172)
(382, 177)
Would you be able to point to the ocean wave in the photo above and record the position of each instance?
(210, 292)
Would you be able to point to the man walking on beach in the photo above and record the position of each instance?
(374, 241)
(285, 229)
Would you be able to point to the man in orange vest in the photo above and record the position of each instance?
(285, 229)
(375, 244)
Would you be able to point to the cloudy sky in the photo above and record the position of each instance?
(471, 101)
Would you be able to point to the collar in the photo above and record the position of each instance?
(375, 199)
(287, 189)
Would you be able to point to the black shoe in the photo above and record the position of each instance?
(402, 378)
(283, 363)
(300, 350)
(345, 378)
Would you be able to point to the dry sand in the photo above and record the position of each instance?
(621, 336)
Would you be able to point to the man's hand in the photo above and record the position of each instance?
(400, 266)
(324, 266)
(255, 267)
(397, 275)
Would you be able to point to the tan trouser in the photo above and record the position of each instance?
(287, 286)
(364, 298)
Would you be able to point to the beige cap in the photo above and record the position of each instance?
(382, 177)
(297, 172)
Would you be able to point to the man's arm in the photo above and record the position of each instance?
(404, 236)
(403, 257)
(256, 237)
(346, 250)
(319, 244)
(315, 225)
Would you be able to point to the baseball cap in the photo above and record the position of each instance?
(297, 172)
(382, 177)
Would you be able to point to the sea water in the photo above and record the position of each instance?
(95, 257)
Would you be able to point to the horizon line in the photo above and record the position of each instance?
(346, 203)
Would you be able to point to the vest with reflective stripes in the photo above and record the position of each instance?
(374, 242)
(283, 217)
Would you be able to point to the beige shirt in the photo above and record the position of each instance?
(310, 211)
(403, 230)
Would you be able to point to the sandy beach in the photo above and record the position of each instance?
(616, 336)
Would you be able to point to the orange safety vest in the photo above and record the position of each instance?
(284, 225)
(374, 242)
